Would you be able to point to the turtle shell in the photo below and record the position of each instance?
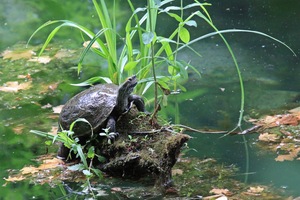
(94, 104)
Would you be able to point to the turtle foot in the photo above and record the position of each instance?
(113, 136)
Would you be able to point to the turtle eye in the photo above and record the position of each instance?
(129, 79)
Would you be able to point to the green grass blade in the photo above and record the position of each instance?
(41, 27)
(49, 38)
(93, 80)
(81, 155)
(235, 31)
(103, 49)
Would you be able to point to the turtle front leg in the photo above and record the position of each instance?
(63, 152)
(138, 102)
(111, 126)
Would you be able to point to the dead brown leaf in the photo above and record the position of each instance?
(48, 87)
(50, 164)
(41, 59)
(14, 86)
(64, 53)
(29, 170)
(18, 54)
(288, 120)
(94, 45)
(257, 189)
(177, 172)
(116, 189)
(295, 111)
(19, 129)
(48, 105)
(268, 137)
(15, 178)
(289, 157)
(270, 120)
(27, 76)
(221, 191)
(57, 109)
(281, 158)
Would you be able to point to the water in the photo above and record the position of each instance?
(270, 71)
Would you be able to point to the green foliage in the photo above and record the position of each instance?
(134, 60)
(142, 51)
(72, 142)
(107, 134)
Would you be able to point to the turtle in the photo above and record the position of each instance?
(101, 105)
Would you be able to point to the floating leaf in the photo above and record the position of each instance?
(285, 157)
(269, 137)
(289, 157)
(64, 53)
(57, 109)
(288, 119)
(221, 191)
(50, 163)
(14, 86)
(177, 172)
(257, 189)
(29, 170)
(41, 59)
(19, 129)
(15, 178)
(16, 55)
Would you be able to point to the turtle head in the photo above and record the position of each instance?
(127, 87)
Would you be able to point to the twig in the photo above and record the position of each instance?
(196, 130)
(249, 130)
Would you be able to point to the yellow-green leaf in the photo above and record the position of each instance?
(184, 35)
(130, 65)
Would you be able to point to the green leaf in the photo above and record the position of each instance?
(48, 142)
(81, 155)
(172, 70)
(101, 159)
(81, 120)
(165, 100)
(87, 172)
(147, 37)
(163, 84)
(175, 16)
(91, 152)
(130, 65)
(184, 35)
(77, 167)
(97, 172)
(191, 23)
(92, 81)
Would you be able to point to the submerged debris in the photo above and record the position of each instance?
(281, 133)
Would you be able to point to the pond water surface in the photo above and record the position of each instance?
(270, 72)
